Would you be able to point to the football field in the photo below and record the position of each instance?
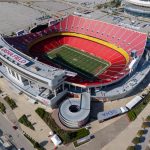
(78, 61)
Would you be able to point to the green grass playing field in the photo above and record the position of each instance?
(78, 61)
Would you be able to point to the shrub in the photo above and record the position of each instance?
(29, 138)
(13, 33)
(24, 120)
(131, 148)
(40, 112)
(2, 108)
(99, 6)
(145, 125)
(140, 132)
(132, 114)
(148, 118)
(10, 102)
(136, 140)
(35, 144)
(66, 136)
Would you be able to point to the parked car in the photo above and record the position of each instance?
(15, 127)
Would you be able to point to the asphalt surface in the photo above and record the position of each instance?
(17, 138)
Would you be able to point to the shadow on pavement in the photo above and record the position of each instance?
(1, 132)
(43, 143)
(142, 139)
(96, 107)
(138, 147)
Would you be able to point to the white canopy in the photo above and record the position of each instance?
(133, 102)
(56, 140)
(123, 109)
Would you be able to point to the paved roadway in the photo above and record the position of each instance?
(17, 137)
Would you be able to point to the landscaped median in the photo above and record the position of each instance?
(132, 114)
(131, 148)
(24, 120)
(2, 108)
(10, 102)
(66, 136)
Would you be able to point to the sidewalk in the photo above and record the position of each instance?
(124, 139)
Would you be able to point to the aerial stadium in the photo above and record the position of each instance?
(138, 7)
(78, 55)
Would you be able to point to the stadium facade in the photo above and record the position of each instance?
(26, 65)
(138, 7)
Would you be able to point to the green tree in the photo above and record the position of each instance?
(136, 140)
(145, 125)
(131, 148)
(140, 132)
(148, 118)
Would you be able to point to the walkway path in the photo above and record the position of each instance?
(124, 139)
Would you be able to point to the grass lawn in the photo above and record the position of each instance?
(10, 102)
(24, 120)
(78, 61)
(132, 114)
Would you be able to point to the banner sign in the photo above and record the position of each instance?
(14, 56)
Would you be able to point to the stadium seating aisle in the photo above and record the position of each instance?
(69, 23)
(75, 24)
(63, 25)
